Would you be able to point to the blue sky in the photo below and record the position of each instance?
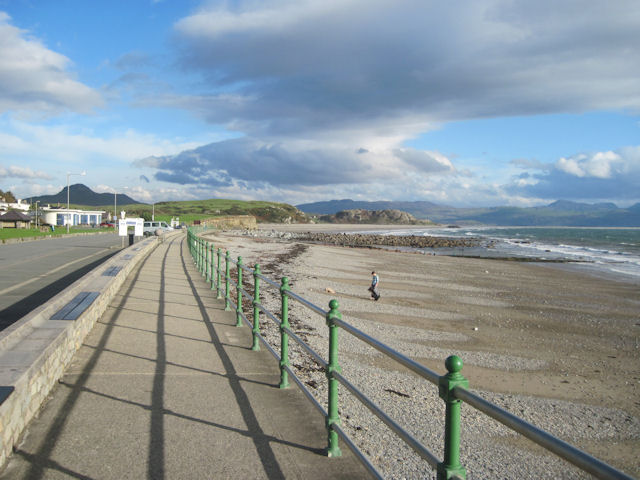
(491, 102)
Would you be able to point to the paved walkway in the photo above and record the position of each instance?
(166, 387)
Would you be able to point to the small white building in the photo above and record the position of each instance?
(20, 206)
(61, 216)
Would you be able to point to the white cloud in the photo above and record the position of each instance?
(65, 142)
(35, 78)
(600, 176)
(22, 172)
(598, 165)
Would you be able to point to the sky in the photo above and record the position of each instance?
(466, 103)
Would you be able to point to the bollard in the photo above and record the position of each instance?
(239, 295)
(256, 311)
(451, 466)
(284, 336)
(218, 289)
(333, 418)
(227, 306)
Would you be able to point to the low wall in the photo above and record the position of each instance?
(231, 222)
(36, 350)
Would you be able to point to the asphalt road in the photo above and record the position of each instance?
(33, 272)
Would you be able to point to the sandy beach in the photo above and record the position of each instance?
(558, 348)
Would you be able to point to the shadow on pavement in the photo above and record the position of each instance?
(13, 313)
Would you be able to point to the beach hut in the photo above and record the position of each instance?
(15, 219)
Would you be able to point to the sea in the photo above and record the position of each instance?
(608, 252)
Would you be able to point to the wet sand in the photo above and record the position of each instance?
(563, 347)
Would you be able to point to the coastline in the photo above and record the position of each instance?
(468, 245)
(556, 347)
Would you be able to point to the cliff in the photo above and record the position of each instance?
(388, 217)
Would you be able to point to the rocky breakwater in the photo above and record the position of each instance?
(368, 240)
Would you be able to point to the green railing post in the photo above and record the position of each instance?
(212, 278)
(284, 336)
(451, 466)
(205, 269)
(239, 295)
(202, 249)
(218, 275)
(333, 418)
(199, 254)
(227, 258)
(256, 311)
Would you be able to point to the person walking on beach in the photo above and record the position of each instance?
(375, 283)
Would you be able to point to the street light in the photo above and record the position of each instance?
(68, 213)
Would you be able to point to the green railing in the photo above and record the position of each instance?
(453, 386)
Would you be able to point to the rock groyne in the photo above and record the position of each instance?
(367, 240)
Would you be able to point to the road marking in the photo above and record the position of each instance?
(31, 280)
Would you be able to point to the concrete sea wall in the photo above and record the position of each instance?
(36, 350)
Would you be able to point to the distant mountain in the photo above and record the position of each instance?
(567, 206)
(80, 194)
(559, 213)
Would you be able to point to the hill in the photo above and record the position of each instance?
(380, 217)
(559, 213)
(265, 212)
(80, 194)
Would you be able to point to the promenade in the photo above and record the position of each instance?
(165, 386)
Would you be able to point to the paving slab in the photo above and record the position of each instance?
(165, 386)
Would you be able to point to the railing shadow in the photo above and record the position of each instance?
(263, 448)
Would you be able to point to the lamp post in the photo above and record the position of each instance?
(37, 201)
(153, 212)
(68, 213)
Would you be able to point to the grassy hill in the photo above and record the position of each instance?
(265, 212)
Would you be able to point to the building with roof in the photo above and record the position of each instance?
(15, 219)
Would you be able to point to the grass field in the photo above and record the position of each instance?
(9, 233)
(186, 218)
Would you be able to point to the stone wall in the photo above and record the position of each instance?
(231, 222)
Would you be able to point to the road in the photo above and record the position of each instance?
(33, 272)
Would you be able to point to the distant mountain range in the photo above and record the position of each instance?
(559, 213)
(80, 194)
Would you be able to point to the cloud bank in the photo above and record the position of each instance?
(326, 93)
